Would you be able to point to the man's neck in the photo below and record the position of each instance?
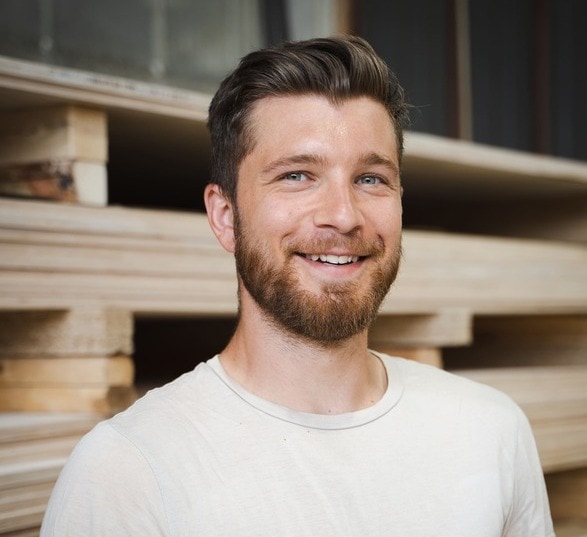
(295, 373)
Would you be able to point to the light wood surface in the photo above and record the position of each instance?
(83, 331)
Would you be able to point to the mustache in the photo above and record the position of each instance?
(355, 245)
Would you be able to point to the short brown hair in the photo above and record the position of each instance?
(337, 68)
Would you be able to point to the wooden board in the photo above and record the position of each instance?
(22, 427)
(101, 399)
(84, 331)
(53, 133)
(33, 449)
(66, 372)
(445, 328)
(524, 174)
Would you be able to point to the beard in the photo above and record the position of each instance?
(335, 314)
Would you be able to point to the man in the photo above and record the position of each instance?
(296, 428)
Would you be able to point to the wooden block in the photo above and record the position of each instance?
(445, 328)
(38, 448)
(84, 331)
(101, 399)
(568, 493)
(25, 427)
(101, 90)
(181, 227)
(90, 181)
(43, 470)
(70, 181)
(23, 507)
(562, 444)
(64, 372)
(489, 275)
(434, 156)
(53, 133)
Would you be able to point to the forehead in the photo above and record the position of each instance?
(299, 119)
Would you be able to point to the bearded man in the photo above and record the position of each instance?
(296, 428)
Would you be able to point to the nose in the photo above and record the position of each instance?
(338, 207)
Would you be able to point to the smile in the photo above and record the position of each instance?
(333, 259)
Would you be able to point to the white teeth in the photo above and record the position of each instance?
(334, 259)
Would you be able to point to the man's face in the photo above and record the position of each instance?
(318, 216)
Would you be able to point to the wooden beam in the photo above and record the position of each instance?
(33, 449)
(56, 153)
(75, 182)
(100, 399)
(35, 82)
(69, 371)
(433, 156)
(53, 133)
(445, 328)
(80, 332)
(74, 361)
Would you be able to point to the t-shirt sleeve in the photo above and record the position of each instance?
(106, 488)
(530, 512)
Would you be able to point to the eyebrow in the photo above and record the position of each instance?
(369, 159)
(375, 159)
(304, 158)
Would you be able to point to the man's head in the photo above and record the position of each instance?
(313, 131)
(338, 68)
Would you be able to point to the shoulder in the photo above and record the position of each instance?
(447, 393)
(91, 496)
(113, 476)
(167, 407)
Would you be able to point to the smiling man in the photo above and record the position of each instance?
(297, 428)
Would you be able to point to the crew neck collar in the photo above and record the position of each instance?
(347, 420)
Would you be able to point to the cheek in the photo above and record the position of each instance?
(278, 217)
(387, 220)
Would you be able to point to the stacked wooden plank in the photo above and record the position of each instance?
(33, 449)
(77, 360)
(55, 153)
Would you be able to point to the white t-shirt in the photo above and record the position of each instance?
(437, 456)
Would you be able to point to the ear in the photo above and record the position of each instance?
(220, 216)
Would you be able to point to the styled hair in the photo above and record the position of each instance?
(337, 68)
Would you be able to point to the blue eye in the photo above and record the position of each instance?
(295, 176)
(369, 180)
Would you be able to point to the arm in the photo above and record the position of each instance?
(530, 512)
